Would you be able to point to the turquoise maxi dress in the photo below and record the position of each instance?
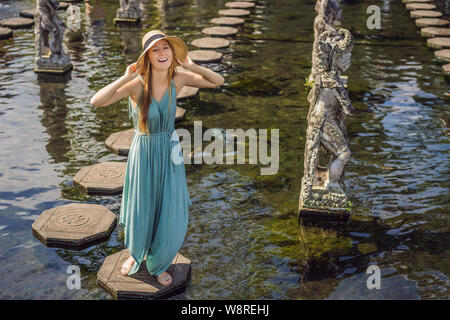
(155, 198)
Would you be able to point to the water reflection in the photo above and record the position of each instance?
(54, 107)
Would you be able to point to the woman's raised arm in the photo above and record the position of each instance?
(116, 90)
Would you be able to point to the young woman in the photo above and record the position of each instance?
(155, 198)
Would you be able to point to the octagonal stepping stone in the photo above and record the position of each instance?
(234, 12)
(430, 32)
(425, 14)
(227, 21)
(142, 285)
(240, 4)
(28, 13)
(5, 33)
(446, 69)
(204, 56)
(420, 6)
(102, 178)
(409, 1)
(74, 226)
(187, 92)
(438, 43)
(211, 43)
(443, 55)
(16, 23)
(431, 22)
(220, 31)
(120, 142)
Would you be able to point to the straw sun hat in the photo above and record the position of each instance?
(150, 38)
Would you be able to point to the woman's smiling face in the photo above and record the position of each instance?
(160, 55)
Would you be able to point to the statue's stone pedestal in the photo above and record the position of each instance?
(323, 203)
(53, 64)
(127, 16)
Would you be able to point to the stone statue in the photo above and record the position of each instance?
(129, 11)
(323, 187)
(329, 14)
(49, 56)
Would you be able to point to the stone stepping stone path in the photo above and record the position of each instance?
(431, 32)
(74, 226)
(227, 21)
(220, 31)
(28, 13)
(420, 6)
(211, 43)
(446, 69)
(120, 142)
(234, 12)
(16, 23)
(410, 1)
(431, 22)
(425, 14)
(104, 178)
(187, 92)
(443, 55)
(438, 43)
(240, 5)
(5, 33)
(205, 56)
(142, 285)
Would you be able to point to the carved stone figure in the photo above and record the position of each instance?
(129, 11)
(329, 14)
(50, 56)
(323, 187)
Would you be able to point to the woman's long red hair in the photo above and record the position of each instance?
(147, 94)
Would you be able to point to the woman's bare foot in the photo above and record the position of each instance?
(127, 265)
(165, 279)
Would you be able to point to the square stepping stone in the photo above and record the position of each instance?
(74, 226)
(142, 285)
(104, 178)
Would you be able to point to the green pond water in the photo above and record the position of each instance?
(243, 238)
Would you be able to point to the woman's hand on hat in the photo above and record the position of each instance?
(186, 63)
(132, 72)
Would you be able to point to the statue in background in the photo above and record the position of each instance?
(50, 56)
(323, 187)
(129, 11)
(329, 15)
